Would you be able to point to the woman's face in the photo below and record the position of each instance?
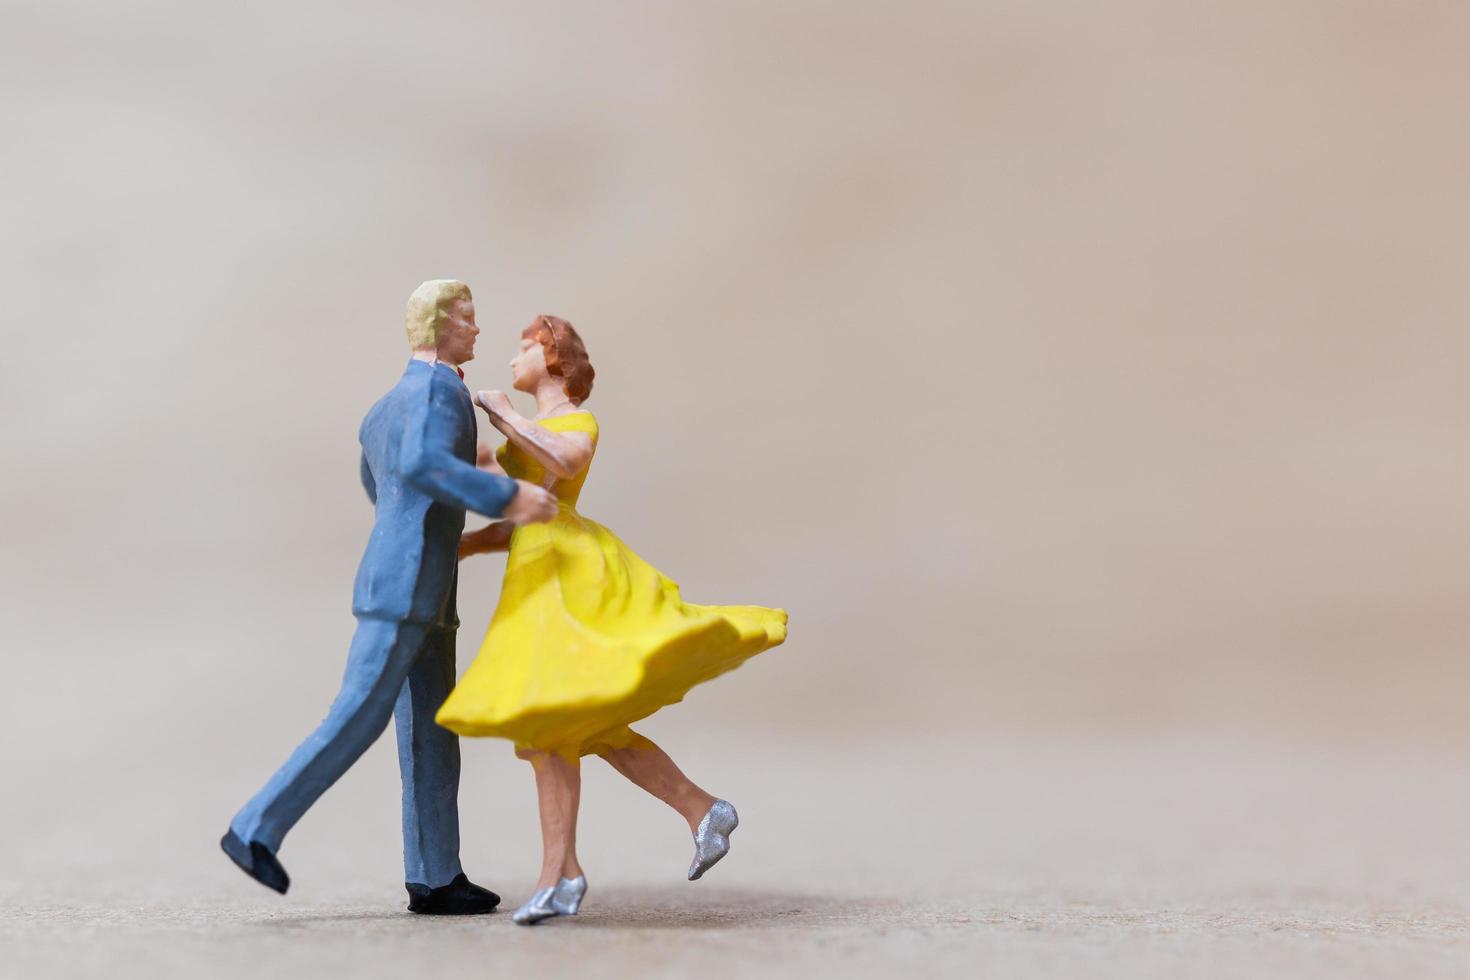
(528, 367)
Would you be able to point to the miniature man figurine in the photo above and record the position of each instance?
(418, 451)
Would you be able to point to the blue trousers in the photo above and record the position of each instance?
(393, 669)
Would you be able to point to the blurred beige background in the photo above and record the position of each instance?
(1075, 373)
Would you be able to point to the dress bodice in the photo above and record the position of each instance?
(522, 465)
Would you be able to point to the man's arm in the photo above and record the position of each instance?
(430, 466)
(368, 483)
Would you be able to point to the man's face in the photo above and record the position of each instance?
(458, 332)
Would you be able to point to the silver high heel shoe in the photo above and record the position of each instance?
(712, 839)
(565, 898)
(539, 907)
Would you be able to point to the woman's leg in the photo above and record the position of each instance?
(559, 791)
(650, 767)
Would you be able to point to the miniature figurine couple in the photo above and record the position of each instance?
(586, 639)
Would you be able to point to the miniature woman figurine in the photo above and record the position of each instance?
(587, 637)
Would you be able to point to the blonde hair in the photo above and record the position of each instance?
(427, 307)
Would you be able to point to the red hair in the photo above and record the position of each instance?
(566, 355)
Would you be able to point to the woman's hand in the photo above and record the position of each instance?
(497, 406)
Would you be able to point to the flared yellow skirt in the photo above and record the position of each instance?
(588, 637)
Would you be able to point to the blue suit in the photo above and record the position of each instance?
(418, 451)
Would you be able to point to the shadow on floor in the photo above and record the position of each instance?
(672, 908)
(642, 908)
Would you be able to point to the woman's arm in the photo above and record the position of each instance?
(562, 453)
(491, 537)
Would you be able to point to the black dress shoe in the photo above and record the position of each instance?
(459, 897)
(256, 860)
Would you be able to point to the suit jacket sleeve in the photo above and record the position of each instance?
(368, 483)
(431, 467)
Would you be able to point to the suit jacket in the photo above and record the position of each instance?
(418, 467)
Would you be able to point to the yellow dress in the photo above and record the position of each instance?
(588, 637)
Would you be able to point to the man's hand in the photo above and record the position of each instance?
(530, 505)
